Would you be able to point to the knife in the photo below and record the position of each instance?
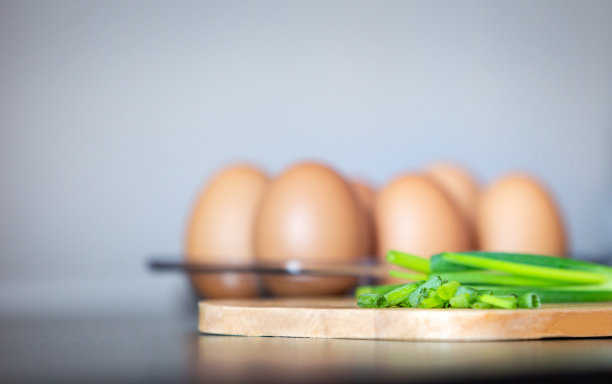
(290, 267)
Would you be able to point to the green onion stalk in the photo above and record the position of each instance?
(551, 279)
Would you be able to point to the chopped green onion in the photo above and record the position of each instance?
(448, 290)
(422, 290)
(431, 292)
(469, 290)
(378, 289)
(505, 302)
(434, 282)
(431, 302)
(528, 300)
(460, 301)
(368, 300)
(553, 279)
(549, 279)
(396, 296)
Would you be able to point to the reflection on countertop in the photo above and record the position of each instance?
(168, 349)
(273, 357)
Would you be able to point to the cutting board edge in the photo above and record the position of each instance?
(237, 317)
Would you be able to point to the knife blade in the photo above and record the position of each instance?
(290, 267)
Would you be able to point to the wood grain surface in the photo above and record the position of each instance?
(341, 318)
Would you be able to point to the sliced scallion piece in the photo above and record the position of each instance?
(505, 302)
(432, 302)
(378, 289)
(460, 301)
(528, 300)
(396, 296)
(368, 300)
(448, 290)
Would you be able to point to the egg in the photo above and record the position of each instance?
(414, 215)
(366, 197)
(221, 229)
(460, 185)
(309, 214)
(518, 214)
(463, 189)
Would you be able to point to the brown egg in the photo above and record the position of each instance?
(221, 228)
(460, 185)
(366, 197)
(462, 188)
(365, 194)
(518, 214)
(311, 215)
(414, 215)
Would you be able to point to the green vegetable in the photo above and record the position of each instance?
(406, 260)
(553, 279)
(505, 302)
(528, 300)
(462, 300)
(470, 291)
(408, 276)
(432, 302)
(422, 291)
(368, 300)
(434, 282)
(448, 290)
(540, 272)
(562, 294)
(396, 296)
(378, 289)
(479, 277)
(490, 277)
(438, 264)
(438, 293)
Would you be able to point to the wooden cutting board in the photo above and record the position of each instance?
(341, 318)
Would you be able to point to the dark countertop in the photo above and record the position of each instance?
(157, 349)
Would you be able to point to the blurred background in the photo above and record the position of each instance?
(113, 114)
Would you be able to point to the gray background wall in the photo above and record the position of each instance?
(113, 113)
